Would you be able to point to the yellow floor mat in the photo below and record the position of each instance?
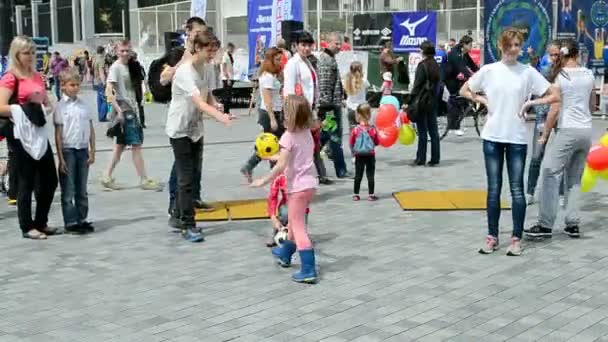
(443, 200)
(250, 209)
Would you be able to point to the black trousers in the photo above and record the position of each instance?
(367, 164)
(38, 177)
(227, 98)
(13, 178)
(188, 163)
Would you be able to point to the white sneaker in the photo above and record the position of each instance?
(562, 201)
(530, 199)
(459, 132)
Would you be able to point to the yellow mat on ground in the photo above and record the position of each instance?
(443, 200)
(250, 209)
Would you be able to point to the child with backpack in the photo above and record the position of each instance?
(363, 141)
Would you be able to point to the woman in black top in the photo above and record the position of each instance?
(460, 67)
(427, 71)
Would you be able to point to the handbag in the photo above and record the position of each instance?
(6, 125)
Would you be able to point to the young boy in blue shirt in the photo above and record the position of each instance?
(75, 140)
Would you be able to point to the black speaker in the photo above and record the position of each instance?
(174, 39)
(290, 30)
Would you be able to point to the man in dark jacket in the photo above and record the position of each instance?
(331, 95)
(459, 68)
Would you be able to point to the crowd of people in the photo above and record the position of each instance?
(301, 101)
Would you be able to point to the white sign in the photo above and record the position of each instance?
(198, 8)
(414, 60)
(241, 65)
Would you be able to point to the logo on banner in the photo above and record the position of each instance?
(410, 29)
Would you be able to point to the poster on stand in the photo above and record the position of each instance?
(586, 22)
(410, 29)
(532, 17)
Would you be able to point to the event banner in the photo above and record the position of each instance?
(410, 29)
(264, 23)
(259, 22)
(531, 17)
(372, 31)
(284, 10)
(585, 21)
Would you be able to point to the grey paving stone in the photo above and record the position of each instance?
(385, 274)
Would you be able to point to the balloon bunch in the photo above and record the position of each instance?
(597, 165)
(393, 125)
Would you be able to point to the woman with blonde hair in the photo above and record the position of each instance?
(355, 87)
(22, 94)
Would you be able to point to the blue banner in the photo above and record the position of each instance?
(531, 17)
(586, 22)
(259, 23)
(410, 29)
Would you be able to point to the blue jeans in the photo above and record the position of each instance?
(102, 106)
(74, 197)
(334, 139)
(173, 184)
(57, 84)
(495, 154)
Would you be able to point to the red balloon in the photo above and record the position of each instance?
(386, 116)
(404, 119)
(597, 159)
(388, 136)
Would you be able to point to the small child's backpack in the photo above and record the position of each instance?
(364, 145)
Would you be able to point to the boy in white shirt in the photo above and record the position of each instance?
(75, 140)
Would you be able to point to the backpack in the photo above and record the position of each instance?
(364, 145)
(162, 93)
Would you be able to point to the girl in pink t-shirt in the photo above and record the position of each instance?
(296, 160)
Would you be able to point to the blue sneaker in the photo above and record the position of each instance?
(284, 253)
(193, 235)
(307, 273)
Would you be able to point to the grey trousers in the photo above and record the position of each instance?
(565, 156)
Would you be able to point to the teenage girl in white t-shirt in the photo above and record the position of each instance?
(508, 86)
(567, 153)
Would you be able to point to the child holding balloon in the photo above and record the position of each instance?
(363, 141)
(296, 159)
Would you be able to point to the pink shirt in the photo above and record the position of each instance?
(300, 171)
(27, 86)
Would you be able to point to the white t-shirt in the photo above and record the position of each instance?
(576, 85)
(183, 118)
(75, 117)
(353, 101)
(507, 88)
(125, 91)
(226, 67)
(269, 81)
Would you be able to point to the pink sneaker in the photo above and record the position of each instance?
(515, 247)
(490, 246)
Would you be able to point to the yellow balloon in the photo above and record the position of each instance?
(588, 179)
(407, 135)
(604, 140)
(603, 174)
(266, 145)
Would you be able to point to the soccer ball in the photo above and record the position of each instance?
(280, 236)
(266, 145)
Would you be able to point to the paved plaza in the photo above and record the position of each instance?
(385, 274)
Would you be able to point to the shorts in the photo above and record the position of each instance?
(132, 133)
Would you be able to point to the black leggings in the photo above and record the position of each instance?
(367, 164)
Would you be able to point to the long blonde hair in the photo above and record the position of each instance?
(298, 114)
(354, 79)
(20, 44)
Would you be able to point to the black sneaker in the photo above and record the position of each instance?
(76, 229)
(325, 181)
(175, 222)
(538, 231)
(204, 206)
(87, 227)
(572, 232)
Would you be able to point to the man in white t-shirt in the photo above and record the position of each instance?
(227, 72)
